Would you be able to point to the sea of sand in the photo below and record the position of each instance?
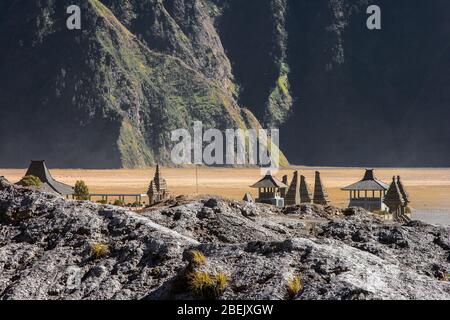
(429, 189)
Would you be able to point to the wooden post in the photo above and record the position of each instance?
(196, 178)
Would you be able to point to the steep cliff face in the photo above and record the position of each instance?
(100, 97)
(182, 28)
(255, 37)
(373, 98)
(108, 95)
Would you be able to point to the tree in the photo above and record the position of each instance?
(81, 190)
(30, 181)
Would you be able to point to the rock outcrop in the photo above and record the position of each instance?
(47, 250)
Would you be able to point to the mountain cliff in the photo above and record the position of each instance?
(109, 95)
(106, 95)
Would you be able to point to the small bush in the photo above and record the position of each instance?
(30, 181)
(119, 203)
(221, 282)
(294, 285)
(202, 284)
(99, 250)
(81, 190)
(102, 202)
(207, 286)
(198, 258)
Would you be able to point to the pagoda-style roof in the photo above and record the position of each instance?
(305, 193)
(158, 184)
(394, 197)
(320, 194)
(39, 169)
(368, 183)
(293, 194)
(405, 194)
(269, 181)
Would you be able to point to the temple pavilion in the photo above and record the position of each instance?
(368, 193)
(269, 190)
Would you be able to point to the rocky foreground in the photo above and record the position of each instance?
(52, 248)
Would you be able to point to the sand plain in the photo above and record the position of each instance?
(428, 188)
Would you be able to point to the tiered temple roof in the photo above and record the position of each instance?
(405, 195)
(368, 183)
(284, 191)
(394, 198)
(157, 190)
(320, 194)
(305, 191)
(159, 182)
(269, 181)
(293, 194)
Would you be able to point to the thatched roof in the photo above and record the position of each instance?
(39, 169)
(368, 183)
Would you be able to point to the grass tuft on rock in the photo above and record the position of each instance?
(198, 258)
(221, 282)
(99, 250)
(206, 286)
(293, 287)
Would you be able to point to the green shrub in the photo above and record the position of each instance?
(102, 202)
(119, 203)
(81, 191)
(30, 181)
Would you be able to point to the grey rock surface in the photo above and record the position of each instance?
(46, 251)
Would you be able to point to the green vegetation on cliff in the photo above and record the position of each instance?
(115, 89)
